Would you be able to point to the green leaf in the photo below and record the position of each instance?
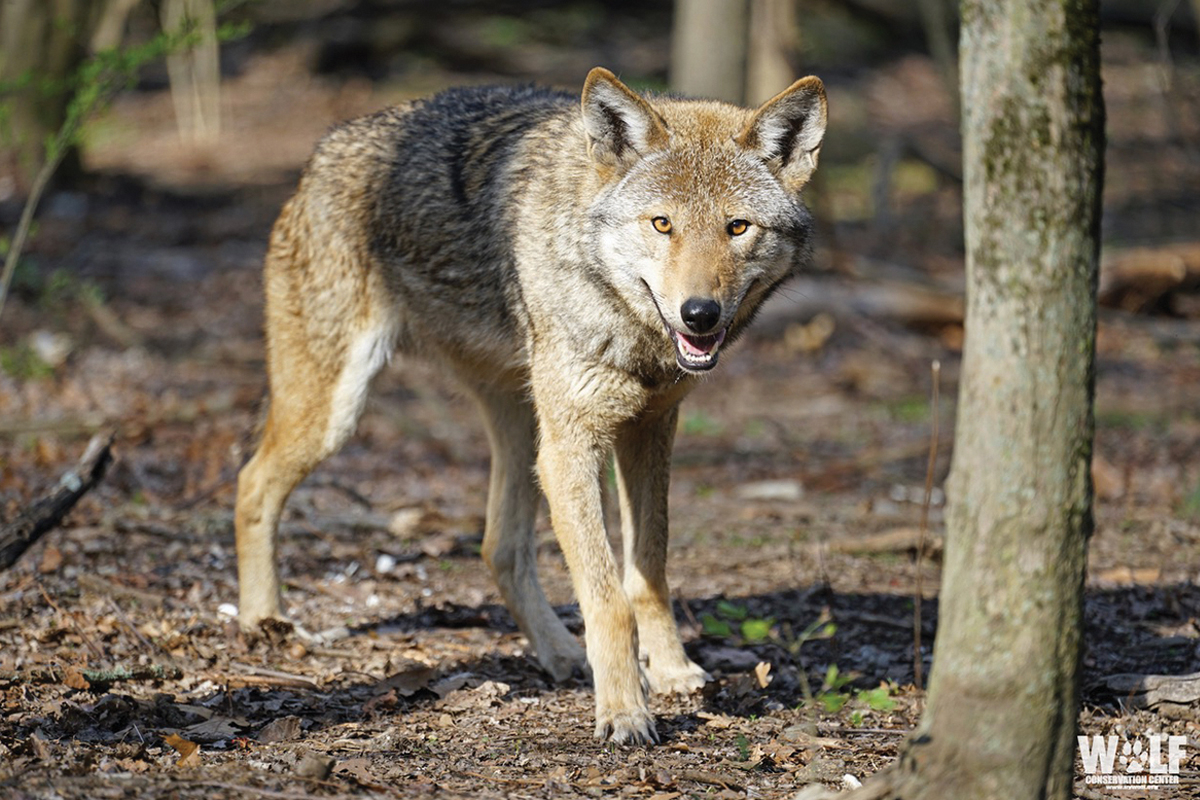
(715, 627)
(834, 680)
(833, 701)
(757, 630)
(743, 746)
(878, 699)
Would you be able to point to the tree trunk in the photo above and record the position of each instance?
(774, 40)
(1002, 706)
(708, 49)
(45, 39)
(195, 73)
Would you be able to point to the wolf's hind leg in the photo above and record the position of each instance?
(318, 389)
(509, 543)
(643, 453)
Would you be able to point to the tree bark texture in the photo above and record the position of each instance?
(1003, 696)
(739, 51)
(771, 50)
(708, 49)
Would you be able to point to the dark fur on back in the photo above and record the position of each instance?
(440, 208)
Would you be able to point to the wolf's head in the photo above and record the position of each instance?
(700, 215)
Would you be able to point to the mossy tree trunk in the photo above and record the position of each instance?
(1002, 706)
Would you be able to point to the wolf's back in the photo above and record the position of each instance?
(424, 194)
(438, 175)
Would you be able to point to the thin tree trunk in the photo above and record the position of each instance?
(1002, 708)
(195, 72)
(708, 49)
(771, 49)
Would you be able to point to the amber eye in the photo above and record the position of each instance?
(737, 227)
(661, 224)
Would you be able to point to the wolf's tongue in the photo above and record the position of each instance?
(700, 345)
(694, 349)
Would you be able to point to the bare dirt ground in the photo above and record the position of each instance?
(796, 492)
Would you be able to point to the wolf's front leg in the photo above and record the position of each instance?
(575, 440)
(509, 543)
(643, 451)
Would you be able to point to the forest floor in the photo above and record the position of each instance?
(796, 500)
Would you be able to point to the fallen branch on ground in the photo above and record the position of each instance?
(46, 514)
(1148, 691)
(101, 677)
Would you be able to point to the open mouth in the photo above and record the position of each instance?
(696, 353)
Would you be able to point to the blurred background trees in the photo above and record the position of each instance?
(139, 299)
(43, 44)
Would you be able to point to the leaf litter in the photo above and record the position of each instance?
(122, 672)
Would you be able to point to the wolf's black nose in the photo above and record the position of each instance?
(700, 315)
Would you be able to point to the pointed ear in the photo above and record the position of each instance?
(621, 126)
(787, 131)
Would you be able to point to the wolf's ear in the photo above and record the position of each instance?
(621, 126)
(787, 131)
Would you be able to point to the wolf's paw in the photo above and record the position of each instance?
(564, 661)
(627, 727)
(258, 608)
(677, 679)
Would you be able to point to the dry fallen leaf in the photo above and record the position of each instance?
(74, 679)
(52, 559)
(315, 765)
(279, 730)
(719, 721)
(450, 683)
(440, 544)
(409, 681)
(809, 337)
(189, 752)
(358, 770)
(763, 673)
(214, 729)
(386, 700)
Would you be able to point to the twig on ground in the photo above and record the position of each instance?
(128, 623)
(46, 514)
(112, 590)
(150, 672)
(259, 676)
(87, 640)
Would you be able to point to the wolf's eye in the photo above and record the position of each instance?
(737, 227)
(661, 224)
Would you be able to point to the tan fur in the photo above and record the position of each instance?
(510, 234)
